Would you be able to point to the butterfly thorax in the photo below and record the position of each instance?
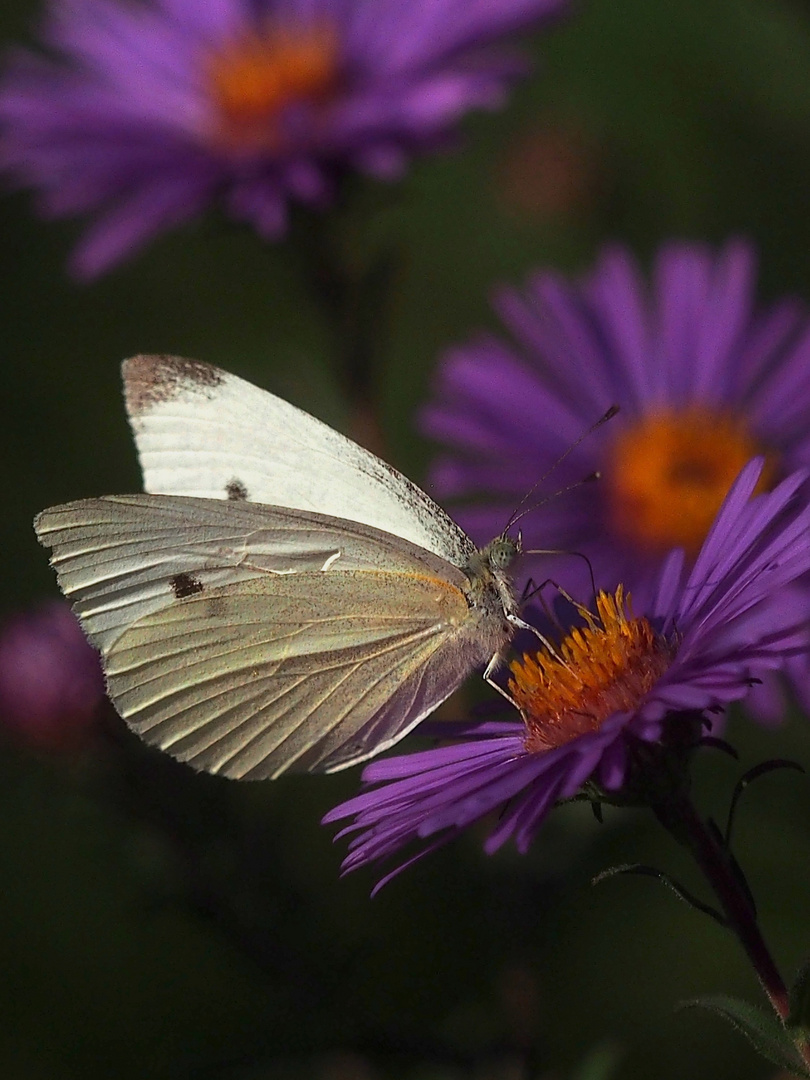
(490, 589)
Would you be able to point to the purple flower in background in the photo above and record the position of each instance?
(51, 686)
(704, 381)
(620, 682)
(150, 110)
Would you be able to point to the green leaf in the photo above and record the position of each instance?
(800, 1000)
(767, 1035)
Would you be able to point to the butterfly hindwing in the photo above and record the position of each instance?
(250, 679)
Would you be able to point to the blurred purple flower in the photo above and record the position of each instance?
(51, 685)
(618, 682)
(150, 110)
(704, 380)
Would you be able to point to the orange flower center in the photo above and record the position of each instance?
(670, 472)
(604, 667)
(258, 75)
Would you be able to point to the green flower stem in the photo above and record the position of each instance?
(353, 294)
(717, 866)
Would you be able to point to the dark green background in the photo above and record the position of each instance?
(161, 924)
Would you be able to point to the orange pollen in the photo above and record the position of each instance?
(670, 472)
(256, 76)
(604, 667)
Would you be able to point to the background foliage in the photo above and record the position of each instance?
(166, 925)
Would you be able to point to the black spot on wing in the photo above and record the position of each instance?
(184, 585)
(236, 491)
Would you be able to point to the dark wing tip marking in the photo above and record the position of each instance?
(236, 490)
(152, 380)
(184, 585)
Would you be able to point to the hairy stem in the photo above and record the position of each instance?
(719, 869)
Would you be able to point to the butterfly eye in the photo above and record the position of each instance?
(502, 552)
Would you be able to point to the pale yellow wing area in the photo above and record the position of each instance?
(306, 670)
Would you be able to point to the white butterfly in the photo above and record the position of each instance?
(281, 597)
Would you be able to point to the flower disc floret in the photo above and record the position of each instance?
(668, 472)
(605, 667)
(256, 77)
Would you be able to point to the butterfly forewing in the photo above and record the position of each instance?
(201, 431)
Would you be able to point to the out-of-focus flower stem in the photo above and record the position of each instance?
(353, 292)
(716, 863)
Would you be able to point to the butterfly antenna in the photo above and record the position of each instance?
(518, 511)
(517, 516)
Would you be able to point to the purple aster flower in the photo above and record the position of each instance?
(618, 682)
(704, 380)
(149, 110)
(51, 685)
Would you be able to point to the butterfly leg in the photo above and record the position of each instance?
(520, 624)
(494, 662)
(529, 589)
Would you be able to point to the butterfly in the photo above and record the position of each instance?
(280, 598)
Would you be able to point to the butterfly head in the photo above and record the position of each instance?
(501, 552)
